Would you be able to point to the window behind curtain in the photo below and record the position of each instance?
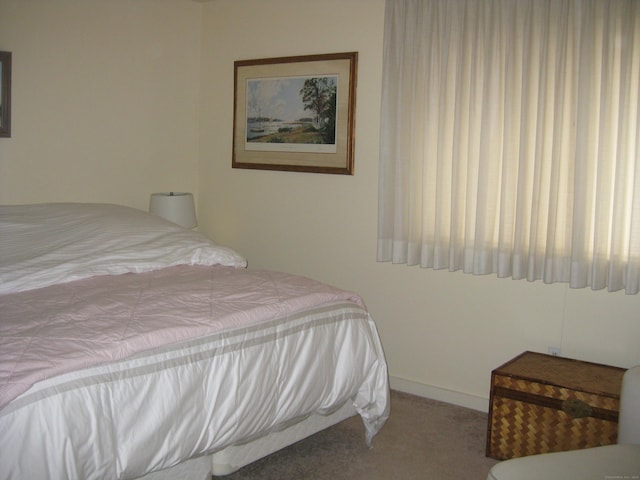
(510, 139)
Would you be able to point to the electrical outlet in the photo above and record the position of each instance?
(555, 351)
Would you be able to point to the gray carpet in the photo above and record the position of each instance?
(423, 439)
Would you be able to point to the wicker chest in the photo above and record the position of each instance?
(540, 403)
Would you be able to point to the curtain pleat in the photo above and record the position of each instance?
(510, 139)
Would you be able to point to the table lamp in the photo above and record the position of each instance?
(177, 207)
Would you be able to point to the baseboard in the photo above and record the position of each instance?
(440, 394)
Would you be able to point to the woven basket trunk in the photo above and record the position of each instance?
(529, 414)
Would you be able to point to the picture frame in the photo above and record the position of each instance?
(295, 113)
(5, 94)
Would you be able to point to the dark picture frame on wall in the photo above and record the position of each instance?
(295, 113)
(5, 94)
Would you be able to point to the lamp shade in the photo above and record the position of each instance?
(177, 207)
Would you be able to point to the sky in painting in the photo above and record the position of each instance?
(276, 98)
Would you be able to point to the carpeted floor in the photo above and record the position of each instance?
(422, 440)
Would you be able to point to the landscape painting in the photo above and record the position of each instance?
(292, 114)
(295, 113)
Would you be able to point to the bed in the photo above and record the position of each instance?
(133, 348)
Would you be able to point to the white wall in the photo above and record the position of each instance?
(107, 107)
(105, 99)
(442, 332)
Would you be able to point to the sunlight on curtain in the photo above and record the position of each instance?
(510, 139)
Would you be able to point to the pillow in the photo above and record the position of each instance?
(45, 244)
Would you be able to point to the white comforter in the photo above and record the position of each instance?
(46, 244)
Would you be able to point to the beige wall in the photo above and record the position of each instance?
(107, 95)
(105, 99)
(442, 332)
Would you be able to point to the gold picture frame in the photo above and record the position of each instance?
(5, 94)
(295, 113)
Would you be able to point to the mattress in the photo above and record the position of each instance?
(121, 375)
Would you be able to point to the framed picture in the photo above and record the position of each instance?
(5, 94)
(295, 113)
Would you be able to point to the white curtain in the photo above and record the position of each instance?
(510, 139)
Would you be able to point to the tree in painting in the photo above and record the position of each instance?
(319, 96)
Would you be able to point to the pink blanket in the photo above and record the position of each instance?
(65, 327)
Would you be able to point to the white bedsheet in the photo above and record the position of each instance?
(127, 418)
